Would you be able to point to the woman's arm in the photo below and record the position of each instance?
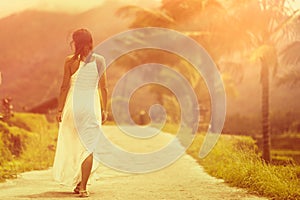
(64, 89)
(103, 89)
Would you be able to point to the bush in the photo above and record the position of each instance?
(27, 143)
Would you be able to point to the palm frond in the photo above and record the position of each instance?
(284, 23)
(144, 17)
(291, 78)
(291, 54)
(234, 70)
(267, 54)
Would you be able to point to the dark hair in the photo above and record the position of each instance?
(82, 38)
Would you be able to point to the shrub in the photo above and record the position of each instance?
(22, 150)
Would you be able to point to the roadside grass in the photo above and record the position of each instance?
(27, 143)
(236, 160)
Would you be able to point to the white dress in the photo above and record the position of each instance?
(80, 127)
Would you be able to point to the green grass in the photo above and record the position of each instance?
(27, 143)
(236, 160)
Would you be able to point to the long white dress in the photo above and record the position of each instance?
(80, 127)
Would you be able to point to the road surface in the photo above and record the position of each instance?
(183, 180)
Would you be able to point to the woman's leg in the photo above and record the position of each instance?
(86, 168)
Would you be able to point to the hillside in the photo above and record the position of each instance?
(34, 44)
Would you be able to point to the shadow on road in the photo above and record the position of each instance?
(53, 194)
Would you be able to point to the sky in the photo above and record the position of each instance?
(8, 7)
(12, 6)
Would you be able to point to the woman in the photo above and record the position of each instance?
(79, 119)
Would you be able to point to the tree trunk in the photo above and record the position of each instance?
(265, 112)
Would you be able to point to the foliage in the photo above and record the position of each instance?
(234, 154)
(28, 143)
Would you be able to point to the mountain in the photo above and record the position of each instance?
(35, 43)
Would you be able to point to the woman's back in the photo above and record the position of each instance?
(86, 77)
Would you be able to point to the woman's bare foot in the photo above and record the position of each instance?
(84, 193)
(77, 188)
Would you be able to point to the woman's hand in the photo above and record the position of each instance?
(59, 116)
(104, 116)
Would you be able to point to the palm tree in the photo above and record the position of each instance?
(257, 26)
(267, 24)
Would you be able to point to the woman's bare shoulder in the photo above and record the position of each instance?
(69, 58)
(99, 58)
